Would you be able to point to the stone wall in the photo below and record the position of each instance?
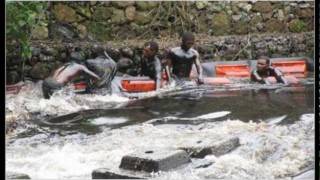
(254, 28)
(47, 55)
(107, 20)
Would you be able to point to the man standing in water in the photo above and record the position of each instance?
(264, 70)
(150, 64)
(64, 75)
(181, 59)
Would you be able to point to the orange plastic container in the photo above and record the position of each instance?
(80, 86)
(138, 85)
(296, 68)
(216, 80)
(233, 70)
(13, 89)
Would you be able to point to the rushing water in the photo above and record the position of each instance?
(70, 135)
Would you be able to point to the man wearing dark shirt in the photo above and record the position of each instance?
(150, 64)
(181, 59)
(264, 70)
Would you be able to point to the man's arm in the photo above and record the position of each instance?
(279, 76)
(158, 73)
(86, 70)
(256, 77)
(199, 68)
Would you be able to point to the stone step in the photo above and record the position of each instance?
(154, 160)
(201, 149)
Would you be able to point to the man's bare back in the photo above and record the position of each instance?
(66, 73)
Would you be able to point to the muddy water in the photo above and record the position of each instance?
(276, 131)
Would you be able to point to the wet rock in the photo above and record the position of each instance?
(64, 13)
(154, 160)
(35, 51)
(77, 56)
(264, 7)
(305, 13)
(49, 51)
(201, 149)
(130, 13)
(123, 64)
(114, 53)
(12, 175)
(12, 77)
(104, 173)
(39, 32)
(142, 18)
(46, 58)
(236, 17)
(39, 71)
(221, 24)
(200, 163)
(297, 26)
(118, 16)
(146, 5)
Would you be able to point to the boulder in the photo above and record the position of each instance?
(118, 16)
(130, 13)
(142, 18)
(64, 13)
(122, 4)
(262, 6)
(102, 13)
(154, 160)
(274, 25)
(146, 5)
(62, 31)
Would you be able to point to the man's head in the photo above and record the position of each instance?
(263, 63)
(150, 49)
(187, 40)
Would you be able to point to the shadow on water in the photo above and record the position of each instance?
(244, 105)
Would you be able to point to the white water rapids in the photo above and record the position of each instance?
(267, 150)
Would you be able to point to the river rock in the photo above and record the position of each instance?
(127, 52)
(105, 173)
(82, 29)
(130, 13)
(12, 175)
(64, 13)
(154, 160)
(39, 32)
(12, 77)
(200, 149)
(262, 6)
(305, 13)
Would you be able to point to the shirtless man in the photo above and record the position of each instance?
(62, 76)
(181, 59)
(150, 64)
(264, 70)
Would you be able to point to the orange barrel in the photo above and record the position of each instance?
(233, 70)
(13, 89)
(138, 85)
(297, 68)
(216, 80)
